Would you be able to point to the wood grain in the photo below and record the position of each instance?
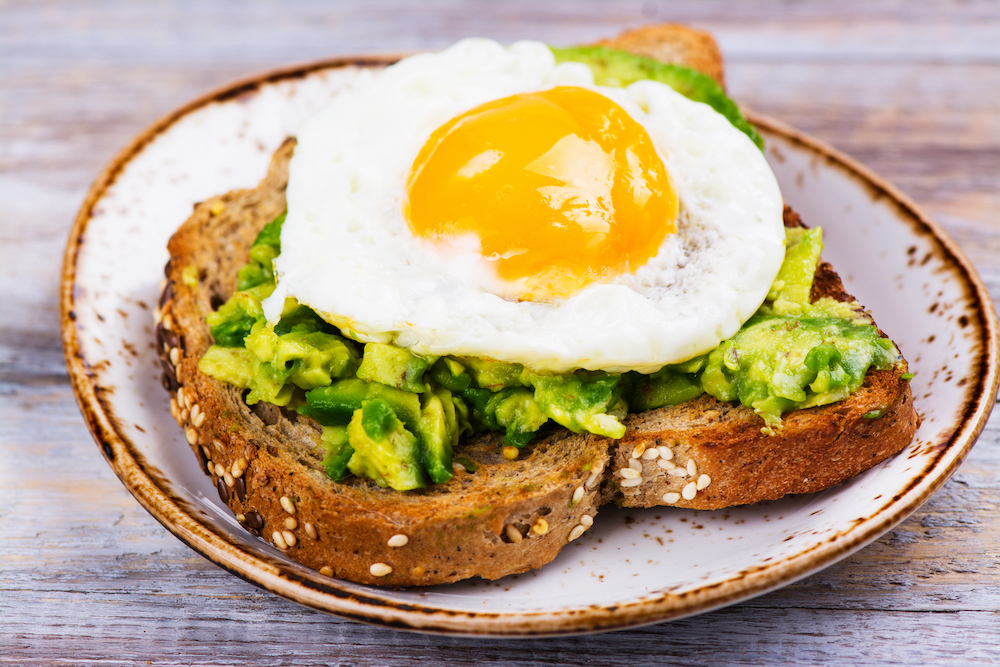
(910, 89)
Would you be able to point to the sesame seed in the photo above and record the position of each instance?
(175, 356)
(458, 467)
(510, 453)
(650, 454)
(326, 571)
(665, 464)
(287, 504)
(704, 481)
(219, 470)
(380, 570)
(177, 372)
(628, 483)
(690, 491)
(541, 526)
(629, 473)
(175, 411)
(593, 477)
(228, 479)
(311, 531)
(577, 495)
(210, 468)
(671, 498)
(278, 540)
(639, 449)
(180, 398)
(208, 455)
(184, 415)
(239, 466)
(587, 520)
(635, 464)
(665, 452)
(191, 435)
(692, 468)
(167, 322)
(513, 534)
(398, 540)
(577, 532)
(219, 446)
(195, 411)
(289, 538)
(678, 472)
(199, 420)
(291, 523)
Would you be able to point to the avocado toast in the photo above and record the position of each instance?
(496, 516)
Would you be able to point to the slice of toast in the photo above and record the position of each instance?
(706, 454)
(503, 518)
(673, 43)
(506, 516)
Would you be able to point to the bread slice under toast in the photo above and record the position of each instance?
(673, 43)
(506, 517)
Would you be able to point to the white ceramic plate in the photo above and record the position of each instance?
(634, 566)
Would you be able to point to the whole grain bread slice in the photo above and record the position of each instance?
(506, 516)
(707, 454)
(266, 462)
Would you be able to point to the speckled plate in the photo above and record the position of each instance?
(633, 567)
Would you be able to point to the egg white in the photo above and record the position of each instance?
(348, 253)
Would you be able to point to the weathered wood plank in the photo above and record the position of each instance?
(911, 89)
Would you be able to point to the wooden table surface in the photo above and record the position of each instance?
(88, 577)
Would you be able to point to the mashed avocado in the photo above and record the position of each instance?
(396, 417)
(620, 68)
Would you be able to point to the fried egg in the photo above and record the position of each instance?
(485, 201)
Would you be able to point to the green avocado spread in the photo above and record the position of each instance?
(396, 417)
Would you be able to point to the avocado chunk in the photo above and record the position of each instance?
(235, 365)
(620, 68)
(260, 269)
(493, 375)
(395, 366)
(581, 401)
(775, 364)
(513, 410)
(450, 374)
(790, 290)
(338, 451)
(437, 430)
(232, 322)
(671, 385)
(384, 450)
(336, 404)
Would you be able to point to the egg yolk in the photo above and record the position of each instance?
(562, 188)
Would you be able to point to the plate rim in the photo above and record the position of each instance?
(331, 596)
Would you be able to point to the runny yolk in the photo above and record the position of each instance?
(562, 188)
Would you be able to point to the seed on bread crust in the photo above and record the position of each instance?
(380, 570)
